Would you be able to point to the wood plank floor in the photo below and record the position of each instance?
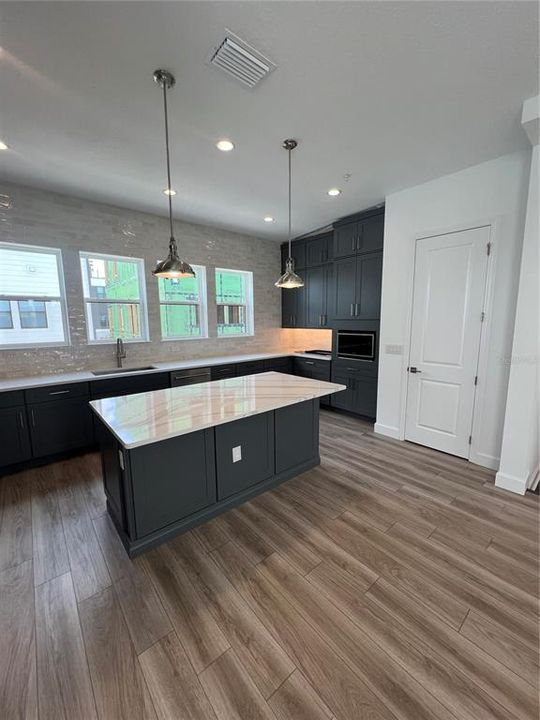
(390, 583)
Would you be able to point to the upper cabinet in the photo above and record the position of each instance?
(342, 273)
(360, 235)
(319, 250)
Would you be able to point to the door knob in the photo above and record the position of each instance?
(413, 370)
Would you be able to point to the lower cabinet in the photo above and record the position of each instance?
(280, 364)
(250, 368)
(170, 480)
(244, 454)
(15, 444)
(360, 397)
(222, 372)
(60, 425)
(316, 369)
(190, 376)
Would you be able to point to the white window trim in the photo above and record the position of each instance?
(249, 305)
(141, 302)
(202, 304)
(40, 298)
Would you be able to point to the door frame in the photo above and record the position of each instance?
(475, 454)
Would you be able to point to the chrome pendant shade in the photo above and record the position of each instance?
(290, 279)
(172, 266)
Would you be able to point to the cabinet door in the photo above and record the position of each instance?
(318, 250)
(346, 239)
(222, 372)
(368, 290)
(293, 307)
(60, 426)
(344, 288)
(371, 234)
(365, 397)
(15, 444)
(299, 253)
(282, 365)
(315, 293)
(344, 400)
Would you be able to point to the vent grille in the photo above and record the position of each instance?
(240, 61)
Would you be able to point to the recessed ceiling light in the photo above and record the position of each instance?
(3, 145)
(224, 145)
(268, 219)
(169, 191)
(334, 192)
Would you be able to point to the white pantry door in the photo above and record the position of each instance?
(449, 288)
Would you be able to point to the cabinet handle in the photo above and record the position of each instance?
(32, 417)
(353, 242)
(309, 362)
(59, 392)
(21, 420)
(356, 309)
(352, 309)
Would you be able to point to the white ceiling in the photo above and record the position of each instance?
(394, 93)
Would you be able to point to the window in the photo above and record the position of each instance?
(32, 296)
(234, 298)
(182, 306)
(115, 299)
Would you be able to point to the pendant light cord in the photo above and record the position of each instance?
(290, 202)
(169, 187)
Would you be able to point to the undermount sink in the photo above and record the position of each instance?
(114, 371)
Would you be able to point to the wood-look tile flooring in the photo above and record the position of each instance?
(392, 582)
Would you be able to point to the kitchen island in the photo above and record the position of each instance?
(174, 458)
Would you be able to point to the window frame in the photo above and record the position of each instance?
(141, 302)
(249, 304)
(60, 299)
(202, 304)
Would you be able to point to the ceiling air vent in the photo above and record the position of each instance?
(241, 61)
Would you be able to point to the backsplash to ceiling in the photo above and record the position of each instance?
(37, 217)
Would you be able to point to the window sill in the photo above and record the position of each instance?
(187, 337)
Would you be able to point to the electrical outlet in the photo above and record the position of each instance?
(237, 453)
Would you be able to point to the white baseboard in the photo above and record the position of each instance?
(387, 430)
(487, 461)
(511, 483)
(533, 478)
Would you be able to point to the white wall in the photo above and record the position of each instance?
(491, 193)
(520, 453)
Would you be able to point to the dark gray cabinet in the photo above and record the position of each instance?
(114, 387)
(244, 454)
(170, 480)
(359, 235)
(190, 376)
(360, 397)
(319, 249)
(317, 295)
(15, 440)
(298, 252)
(60, 425)
(280, 364)
(293, 307)
(357, 287)
(316, 369)
(222, 372)
(250, 368)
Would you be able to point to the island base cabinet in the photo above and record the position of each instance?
(244, 454)
(171, 480)
(157, 491)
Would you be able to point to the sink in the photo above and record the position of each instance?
(114, 371)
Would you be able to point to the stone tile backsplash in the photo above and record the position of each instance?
(37, 217)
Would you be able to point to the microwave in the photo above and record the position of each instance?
(356, 345)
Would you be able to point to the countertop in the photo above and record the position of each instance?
(25, 383)
(150, 417)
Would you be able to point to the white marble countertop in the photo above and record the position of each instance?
(25, 383)
(150, 417)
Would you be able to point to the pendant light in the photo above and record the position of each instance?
(289, 279)
(172, 266)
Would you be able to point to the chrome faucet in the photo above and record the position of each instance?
(120, 351)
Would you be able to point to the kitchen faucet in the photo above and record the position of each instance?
(120, 352)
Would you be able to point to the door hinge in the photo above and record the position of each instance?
(482, 316)
(489, 248)
(470, 439)
(476, 379)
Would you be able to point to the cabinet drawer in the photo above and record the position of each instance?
(221, 372)
(190, 376)
(250, 368)
(308, 366)
(11, 398)
(283, 365)
(56, 392)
